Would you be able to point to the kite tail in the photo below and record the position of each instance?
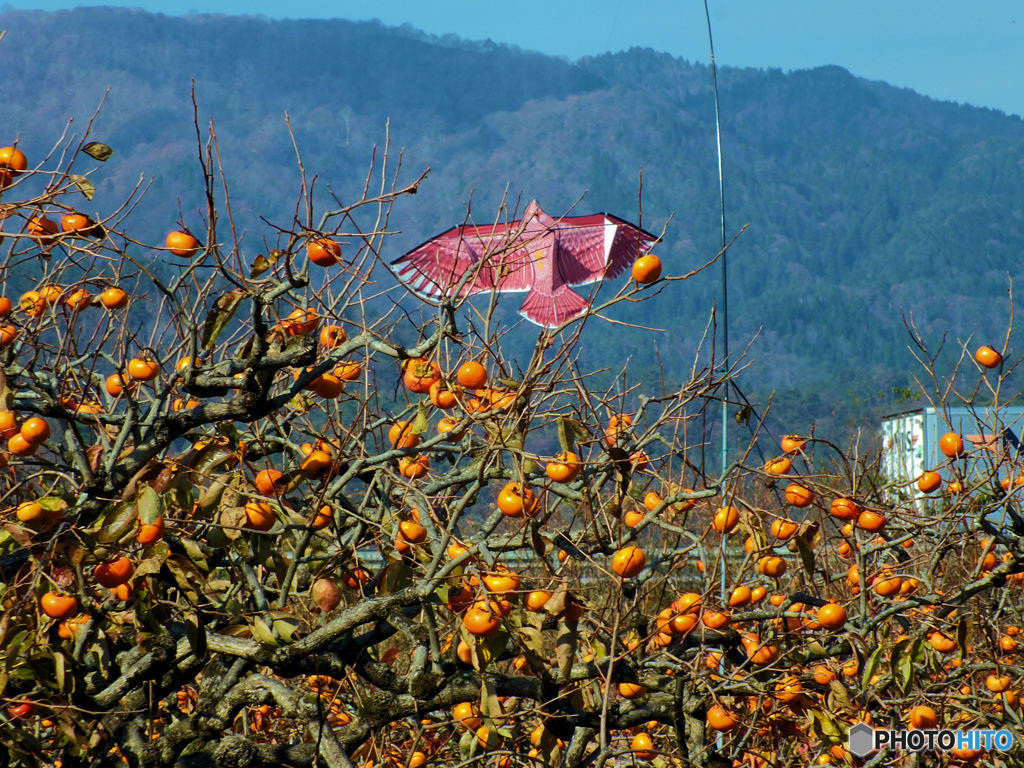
(551, 311)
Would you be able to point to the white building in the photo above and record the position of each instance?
(910, 442)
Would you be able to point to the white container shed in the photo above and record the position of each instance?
(910, 440)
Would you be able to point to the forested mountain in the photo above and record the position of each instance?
(863, 201)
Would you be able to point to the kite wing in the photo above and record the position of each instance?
(592, 248)
(497, 259)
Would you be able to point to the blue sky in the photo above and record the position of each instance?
(971, 52)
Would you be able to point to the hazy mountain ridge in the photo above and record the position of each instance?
(863, 200)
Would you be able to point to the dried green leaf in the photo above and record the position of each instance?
(59, 670)
(824, 726)
(150, 565)
(86, 187)
(219, 586)
(532, 641)
(481, 655)
(7, 541)
(195, 554)
(839, 695)
(236, 630)
(918, 649)
(742, 416)
(806, 555)
(961, 636)
(220, 315)
(119, 521)
(442, 592)
(210, 457)
(905, 671)
(808, 533)
(98, 151)
(262, 263)
(262, 547)
(301, 403)
(230, 431)
(871, 667)
(555, 604)
(232, 520)
(52, 503)
(185, 575)
(815, 650)
(150, 505)
(421, 423)
(394, 577)
(467, 745)
(489, 704)
(492, 647)
(211, 496)
(244, 350)
(262, 632)
(565, 436)
(895, 657)
(286, 628)
(15, 646)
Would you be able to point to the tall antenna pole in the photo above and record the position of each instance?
(725, 277)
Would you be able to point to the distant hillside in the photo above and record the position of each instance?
(863, 201)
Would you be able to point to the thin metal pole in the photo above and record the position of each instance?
(723, 586)
(724, 313)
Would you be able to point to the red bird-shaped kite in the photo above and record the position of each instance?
(539, 255)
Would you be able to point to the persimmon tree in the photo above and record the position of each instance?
(262, 506)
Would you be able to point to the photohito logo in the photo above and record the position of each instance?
(864, 739)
